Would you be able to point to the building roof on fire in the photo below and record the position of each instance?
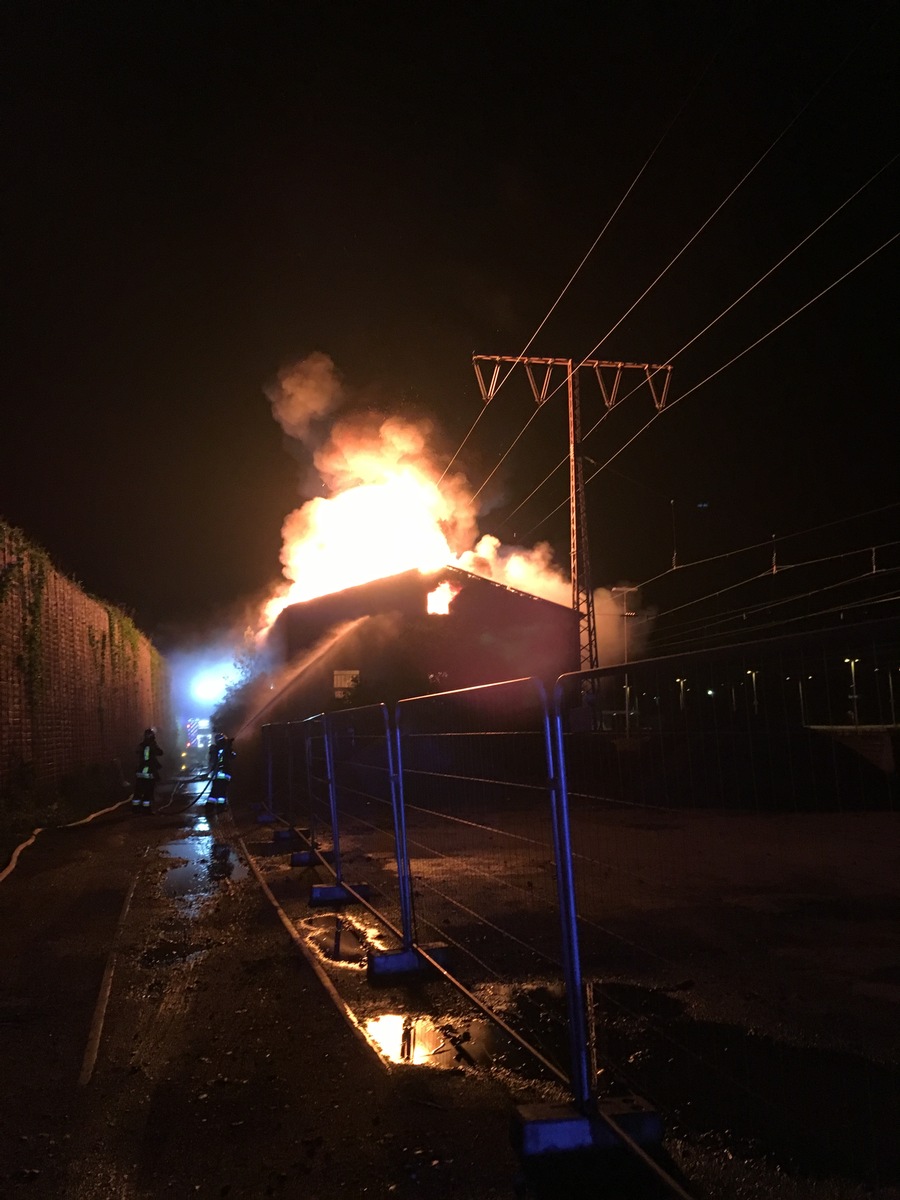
(406, 593)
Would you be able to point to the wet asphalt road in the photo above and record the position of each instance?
(162, 1036)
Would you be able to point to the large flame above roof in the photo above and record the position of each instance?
(366, 533)
(386, 508)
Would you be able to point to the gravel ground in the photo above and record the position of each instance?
(224, 1067)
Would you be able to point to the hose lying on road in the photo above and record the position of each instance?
(11, 865)
(177, 791)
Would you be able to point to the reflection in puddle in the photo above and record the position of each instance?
(446, 1042)
(421, 1041)
(404, 1039)
(203, 863)
(341, 939)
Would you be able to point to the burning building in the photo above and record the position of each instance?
(417, 632)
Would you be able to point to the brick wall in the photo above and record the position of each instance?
(79, 682)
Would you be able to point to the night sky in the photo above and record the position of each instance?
(197, 194)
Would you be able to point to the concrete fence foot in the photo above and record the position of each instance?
(393, 963)
(311, 858)
(560, 1128)
(290, 835)
(322, 894)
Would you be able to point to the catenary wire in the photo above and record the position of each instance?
(724, 619)
(811, 562)
(593, 246)
(694, 638)
(734, 303)
(775, 328)
(782, 537)
(821, 88)
(845, 606)
(707, 624)
(732, 614)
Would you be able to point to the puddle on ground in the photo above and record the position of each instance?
(820, 1111)
(168, 954)
(446, 1043)
(342, 940)
(201, 864)
(817, 1111)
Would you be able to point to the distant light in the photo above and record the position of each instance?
(210, 685)
(709, 691)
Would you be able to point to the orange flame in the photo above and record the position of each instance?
(366, 533)
(438, 602)
(390, 511)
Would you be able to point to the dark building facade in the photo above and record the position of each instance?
(379, 641)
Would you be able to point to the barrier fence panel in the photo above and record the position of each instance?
(278, 769)
(314, 811)
(299, 814)
(368, 814)
(734, 826)
(483, 842)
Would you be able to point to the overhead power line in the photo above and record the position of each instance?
(815, 95)
(688, 630)
(582, 590)
(775, 328)
(593, 246)
(784, 537)
(765, 154)
(734, 303)
(666, 612)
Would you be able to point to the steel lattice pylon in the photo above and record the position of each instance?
(609, 376)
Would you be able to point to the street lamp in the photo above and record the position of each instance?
(852, 662)
(802, 699)
(625, 615)
(890, 686)
(752, 675)
(681, 683)
(802, 702)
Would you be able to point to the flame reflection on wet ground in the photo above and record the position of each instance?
(199, 865)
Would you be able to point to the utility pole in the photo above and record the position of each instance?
(609, 377)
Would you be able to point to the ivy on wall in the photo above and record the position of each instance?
(99, 682)
(159, 680)
(35, 577)
(7, 578)
(27, 571)
(124, 643)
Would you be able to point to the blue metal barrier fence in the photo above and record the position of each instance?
(453, 816)
(490, 861)
(734, 823)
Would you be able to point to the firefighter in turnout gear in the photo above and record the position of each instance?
(221, 752)
(148, 770)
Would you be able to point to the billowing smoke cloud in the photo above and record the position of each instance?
(370, 448)
(387, 508)
(624, 624)
(308, 391)
(533, 571)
